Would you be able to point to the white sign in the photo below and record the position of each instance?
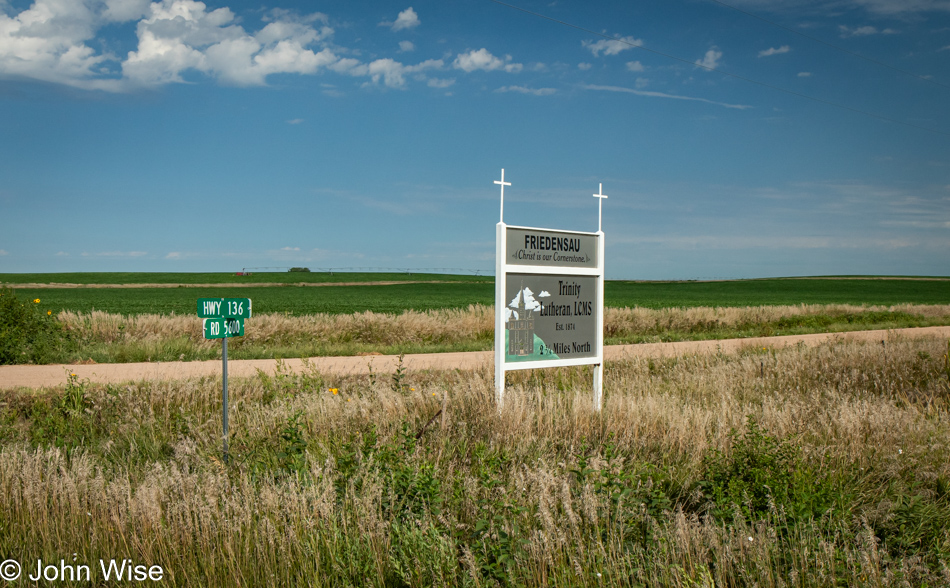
(549, 300)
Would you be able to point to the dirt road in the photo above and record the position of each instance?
(38, 376)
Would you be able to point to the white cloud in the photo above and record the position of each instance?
(711, 59)
(181, 35)
(804, 74)
(689, 242)
(392, 73)
(663, 95)
(125, 10)
(407, 19)
(611, 46)
(52, 41)
(5, 252)
(635, 66)
(584, 66)
(898, 6)
(290, 248)
(918, 224)
(863, 31)
(440, 83)
(775, 51)
(47, 42)
(62, 254)
(879, 7)
(58, 41)
(120, 254)
(295, 121)
(525, 90)
(483, 60)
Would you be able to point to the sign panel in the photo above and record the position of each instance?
(526, 246)
(220, 328)
(550, 317)
(224, 308)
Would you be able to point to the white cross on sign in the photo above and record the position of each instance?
(503, 184)
(600, 214)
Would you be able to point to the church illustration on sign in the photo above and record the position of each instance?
(519, 322)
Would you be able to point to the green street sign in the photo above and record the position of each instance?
(224, 308)
(220, 328)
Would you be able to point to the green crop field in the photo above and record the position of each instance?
(737, 293)
(461, 291)
(296, 300)
(232, 278)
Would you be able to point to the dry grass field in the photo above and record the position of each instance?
(821, 466)
(109, 338)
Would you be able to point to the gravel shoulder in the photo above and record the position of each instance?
(42, 376)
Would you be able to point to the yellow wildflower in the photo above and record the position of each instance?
(36, 301)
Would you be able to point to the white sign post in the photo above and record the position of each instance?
(549, 300)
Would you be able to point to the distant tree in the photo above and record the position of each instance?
(299, 269)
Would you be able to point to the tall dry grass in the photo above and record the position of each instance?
(112, 337)
(337, 482)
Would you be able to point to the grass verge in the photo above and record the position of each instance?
(828, 467)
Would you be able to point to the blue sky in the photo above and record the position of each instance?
(189, 136)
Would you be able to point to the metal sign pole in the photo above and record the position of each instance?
(599, 329)
(599, 368)
(224, 395)
(500, 255)
(500, 286)
(224, 318)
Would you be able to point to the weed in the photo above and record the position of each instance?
(29, 333)
(291, 451)
(398, 376)
(497, 539)
(762, 474)
(412, 487)
(75, 399)
(287, 383)
(632, 495)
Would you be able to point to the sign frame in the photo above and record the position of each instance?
(503, 268)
